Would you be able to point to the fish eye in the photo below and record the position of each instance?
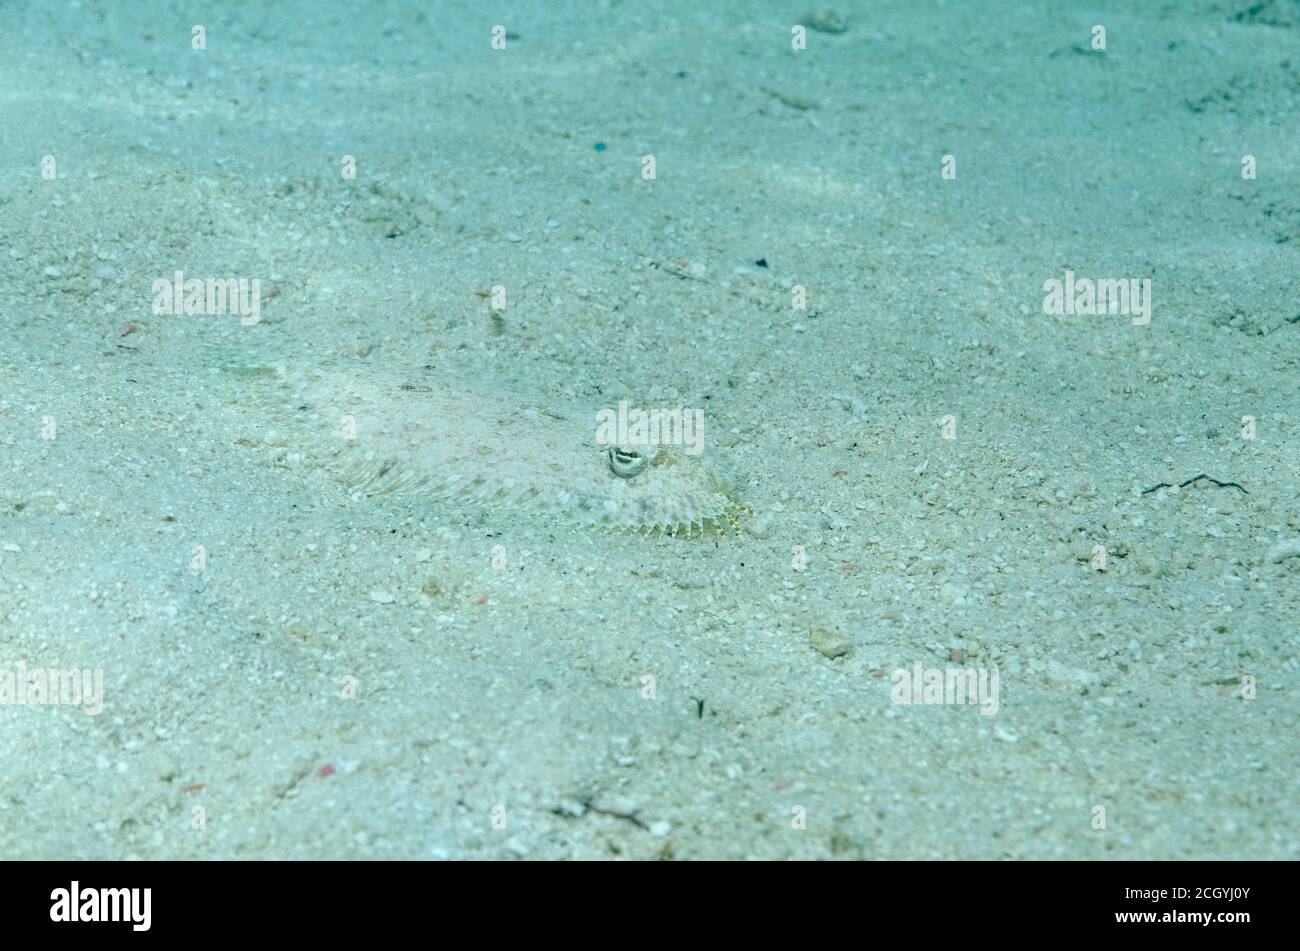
(626, 463)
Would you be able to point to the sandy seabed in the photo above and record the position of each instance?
(940, 473)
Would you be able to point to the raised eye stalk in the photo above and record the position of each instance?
(626, 463)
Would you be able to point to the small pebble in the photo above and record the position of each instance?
(825, 20)
(1283, 550)
(164, 766)
(829, 643)
(570, 807)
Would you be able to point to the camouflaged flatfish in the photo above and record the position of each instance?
(427, 433)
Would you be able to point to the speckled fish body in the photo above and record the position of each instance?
(382, 433)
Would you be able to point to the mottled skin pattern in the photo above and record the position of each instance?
(382, 433)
